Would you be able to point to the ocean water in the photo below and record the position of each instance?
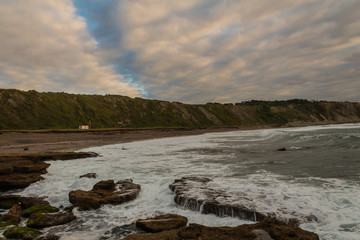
(318, 174)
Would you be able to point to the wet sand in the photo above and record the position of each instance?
(60, 141)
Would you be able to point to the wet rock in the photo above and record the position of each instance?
(6, 220)
(18, 180)
(108, 185)
(105, 192)
(7, 201)
(269, 229)
(89, 175)
(43, 220)
(20, 173)
(21, 170)
(48, 237)
(21, 233)
(162, 223)
(282, 149)
(40, 209)
(28, 202)
(15, 211)
(197, 194)
(209, 203)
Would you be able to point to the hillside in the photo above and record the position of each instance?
(34, 110)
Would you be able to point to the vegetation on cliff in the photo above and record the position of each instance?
(35, 110)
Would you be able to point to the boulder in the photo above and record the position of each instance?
(269, 229)
(198, 194)
(162, 223)
(105, 192)
(108, 185)
(7, 201)
(28, 202)
(21, 233)
(89, 175)
(39, 209)
(7, 220)
(48, 237)
(18, 180)
(15, 211)
(43, 220)
(22, 169)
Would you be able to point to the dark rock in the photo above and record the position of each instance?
(282, 149)
(219, 202)
(6, 169)
(18, 180)
(162, 223)
(43, 220)
(211, 205)
(28, 202)
(48, 237)
(21, 233)
(89, 175)
(107, 185)
(26, 149)
(15, 211)
(104, 192)
(40, 209)
(31, 167)
(7, 201)
(272, 228)
(21, 170)
(7, 220)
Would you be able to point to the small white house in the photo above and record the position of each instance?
(83, 126)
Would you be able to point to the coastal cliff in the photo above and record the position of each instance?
(35, 110)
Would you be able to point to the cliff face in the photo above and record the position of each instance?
(34, 110)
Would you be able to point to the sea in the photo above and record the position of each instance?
(307, 170)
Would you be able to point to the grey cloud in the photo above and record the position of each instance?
(46, 46)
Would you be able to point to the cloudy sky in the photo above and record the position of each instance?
(193, 51)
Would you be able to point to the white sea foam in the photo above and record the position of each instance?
(156, 163)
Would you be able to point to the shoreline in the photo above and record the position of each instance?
(64, 141)
(42, 141)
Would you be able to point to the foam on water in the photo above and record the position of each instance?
(157, 163)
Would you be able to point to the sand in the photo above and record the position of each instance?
(60, 141)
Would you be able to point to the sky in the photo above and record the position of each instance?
(192, 51)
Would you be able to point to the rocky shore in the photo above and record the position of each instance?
(196, 193)
(20, 170)
(174, 227)
(25, 217)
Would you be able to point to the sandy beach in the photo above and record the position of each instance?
(60, 141)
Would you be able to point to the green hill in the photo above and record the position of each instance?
(34, 110)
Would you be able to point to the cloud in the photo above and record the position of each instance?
(200, 51)
(46, 46)
(192, 51)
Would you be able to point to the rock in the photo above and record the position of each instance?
(15, 211)
(104, 192)
(269, 229)
(198, 194)
(21, 233)
(162, 223)
(7, 201)
(40, 209)
(43, 220)
(282, 149)
(21, 170)
(48, 237)
(18, 180)
(28, 202)
(108, 185)
(6, 220)
(20, 173)
(89, 175)
(36, 166)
